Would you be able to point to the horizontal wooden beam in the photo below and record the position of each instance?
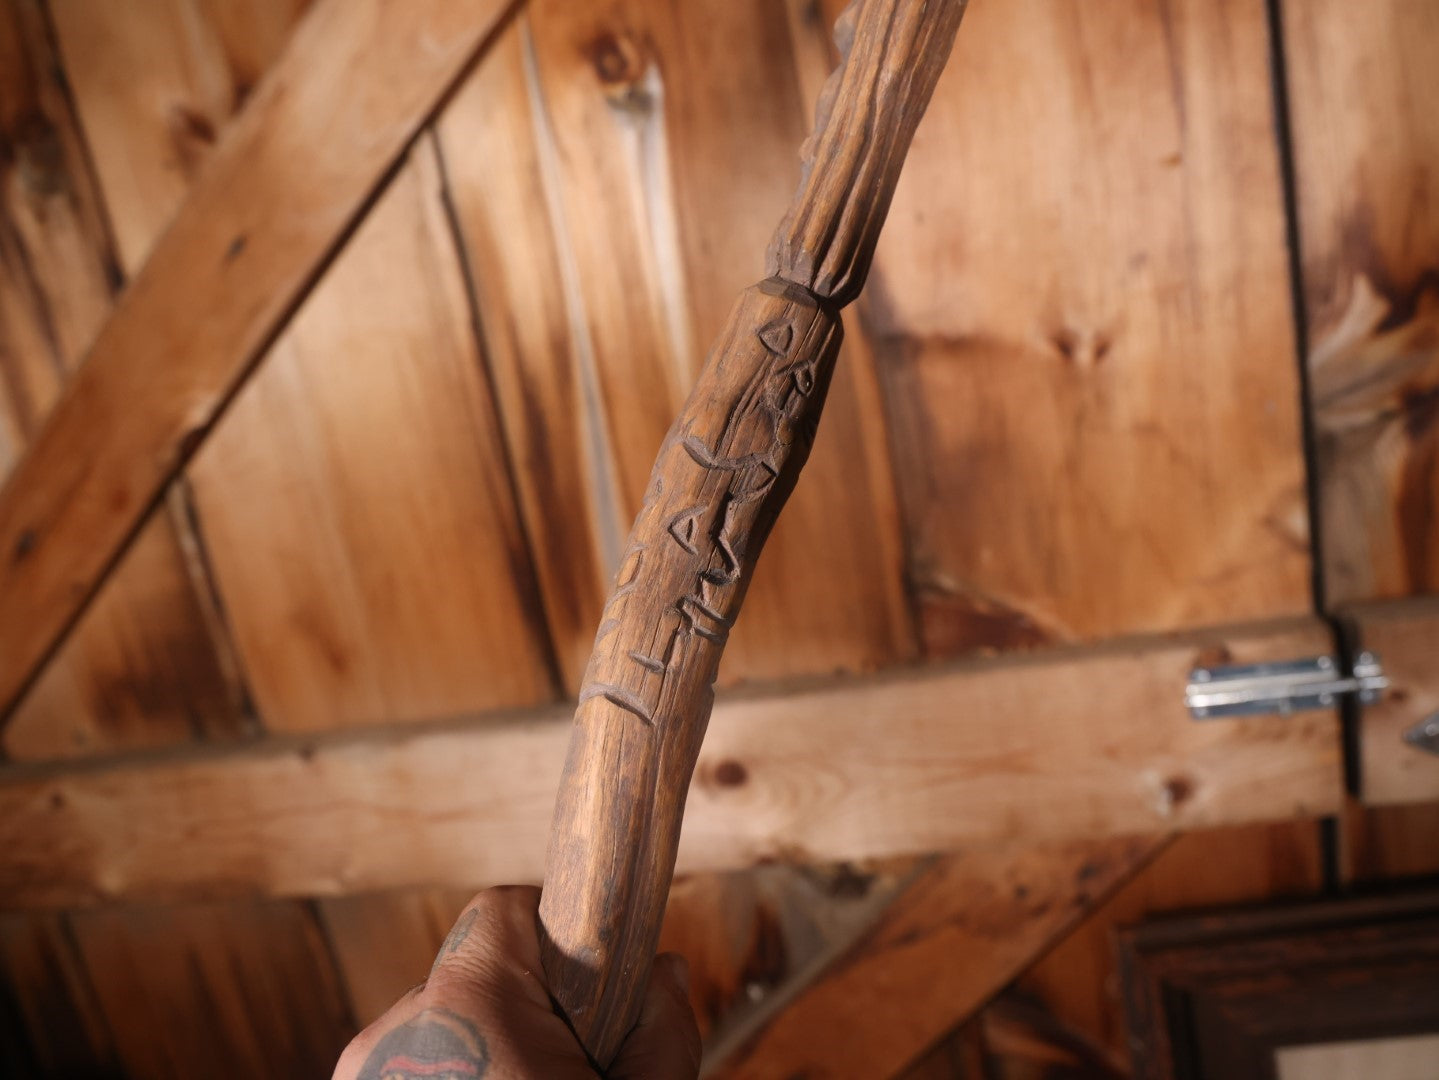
(288, 179)
(949, 941)
(1404, 635)
(1079, 743)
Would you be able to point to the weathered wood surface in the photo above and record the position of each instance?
(142, 664)
(51, 1024)
(1064, 1017)
(1091, 742)
(1404, 634)
(273, 1004)
(963, 1054)
(1083, 324)
(1014, 1038)
(306, 142)
(723, 474)
(1365, 144)
(948, 942)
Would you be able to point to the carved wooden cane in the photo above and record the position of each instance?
(721, 477)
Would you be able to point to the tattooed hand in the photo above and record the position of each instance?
(485, 1011)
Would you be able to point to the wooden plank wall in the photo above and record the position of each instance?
(147, 665)
(1068, 409)
(352, 598)
(1080, 304)
(1365, 191)
(380, 590)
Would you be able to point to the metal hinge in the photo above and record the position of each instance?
(1285, 687)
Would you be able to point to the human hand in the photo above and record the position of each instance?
(485, 1011)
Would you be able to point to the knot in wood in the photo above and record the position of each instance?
(39, 157)
(621, 64)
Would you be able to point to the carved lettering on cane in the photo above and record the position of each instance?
(728, 465)
(682, 527)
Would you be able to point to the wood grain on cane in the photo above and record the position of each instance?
(723, 473)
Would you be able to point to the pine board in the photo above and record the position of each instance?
(355, 500)
(144, 667)
(1086, 742)
(1083, 327)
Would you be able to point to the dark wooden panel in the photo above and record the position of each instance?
(239, 990)
(50, 1022)
(1077, 983)
(1215, 997)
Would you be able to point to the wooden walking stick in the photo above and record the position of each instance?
(721, 477)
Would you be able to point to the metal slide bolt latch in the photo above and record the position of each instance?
(1284, 687)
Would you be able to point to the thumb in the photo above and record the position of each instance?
(664, 1044)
